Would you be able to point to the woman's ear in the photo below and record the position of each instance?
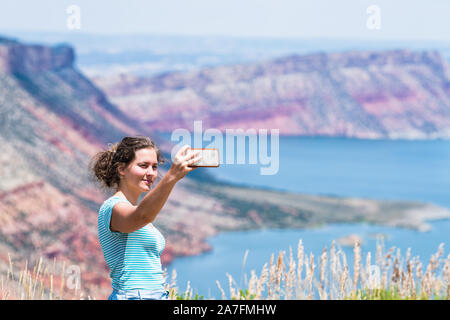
(120, 168)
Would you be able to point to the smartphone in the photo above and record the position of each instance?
(210, 158)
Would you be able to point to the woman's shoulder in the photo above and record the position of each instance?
(111, 201)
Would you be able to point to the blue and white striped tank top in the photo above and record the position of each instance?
(133, 258)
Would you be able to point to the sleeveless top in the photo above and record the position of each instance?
(133, 258)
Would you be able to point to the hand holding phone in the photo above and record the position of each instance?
(209, 157)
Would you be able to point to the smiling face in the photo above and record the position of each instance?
(140, 174)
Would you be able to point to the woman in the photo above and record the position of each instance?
(131, 245)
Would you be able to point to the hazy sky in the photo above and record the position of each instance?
(399, 19)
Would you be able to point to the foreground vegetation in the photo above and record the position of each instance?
(389, 277)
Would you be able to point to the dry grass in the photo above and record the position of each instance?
(390, 276)
(42, 282)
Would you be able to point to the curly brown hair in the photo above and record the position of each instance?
(103, 165)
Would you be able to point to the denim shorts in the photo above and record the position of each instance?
(139, 295)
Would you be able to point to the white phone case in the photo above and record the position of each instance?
(210, 158)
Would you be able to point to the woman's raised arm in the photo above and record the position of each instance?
(128, 218)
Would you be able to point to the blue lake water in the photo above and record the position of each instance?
(381, 169)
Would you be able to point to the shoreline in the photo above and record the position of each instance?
(250, 209)
(342, 241)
